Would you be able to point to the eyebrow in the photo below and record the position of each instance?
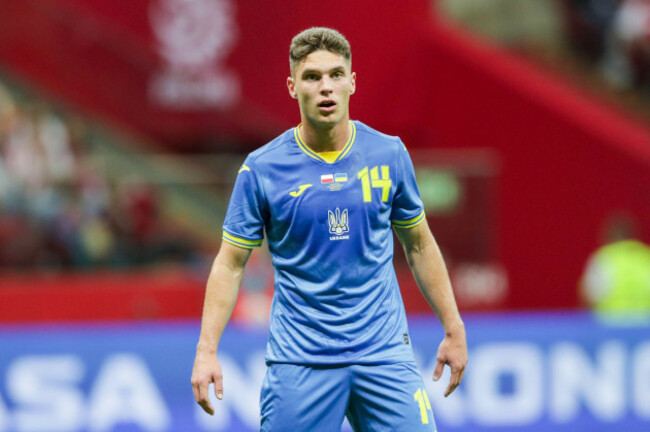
(313, 70)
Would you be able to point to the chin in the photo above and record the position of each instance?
(332, 118)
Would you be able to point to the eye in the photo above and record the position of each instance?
(337, 74)
(311, 77)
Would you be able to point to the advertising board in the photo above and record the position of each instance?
(526, 373)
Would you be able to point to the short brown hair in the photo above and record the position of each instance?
(314, 39)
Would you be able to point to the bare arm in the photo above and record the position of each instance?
(220, 296)
(425, 260)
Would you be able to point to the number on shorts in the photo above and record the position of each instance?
(422, 399)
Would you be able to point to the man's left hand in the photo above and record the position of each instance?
(452, 352)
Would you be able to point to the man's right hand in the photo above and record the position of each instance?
(220, 296)
(206, 370)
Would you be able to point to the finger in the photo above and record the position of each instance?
(452, 385)
(437, 373)
(462, 374)
(454, 380)
(450, 389)
(218, 387)
(195, 390)
(204, 398)
(207, 407)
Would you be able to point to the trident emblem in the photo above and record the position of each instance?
(338, 221)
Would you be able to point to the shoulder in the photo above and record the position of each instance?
(379, 145)
(628, 247)
(272, 150)
(366, 134)
(363, 130)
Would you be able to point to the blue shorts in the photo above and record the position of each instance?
(374, 398)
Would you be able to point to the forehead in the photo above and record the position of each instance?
(322, 60)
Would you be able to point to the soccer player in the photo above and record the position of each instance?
(326, 194)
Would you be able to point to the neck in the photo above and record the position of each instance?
(325, 139)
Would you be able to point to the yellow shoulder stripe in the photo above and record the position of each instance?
(243, 168)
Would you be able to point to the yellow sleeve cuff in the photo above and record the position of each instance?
(409, 223)
(241, 242)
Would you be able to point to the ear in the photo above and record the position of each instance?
(353, 82)
(291, 85)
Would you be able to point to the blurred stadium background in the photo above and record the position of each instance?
(123, 124)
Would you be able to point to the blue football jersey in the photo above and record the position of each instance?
(328, 228)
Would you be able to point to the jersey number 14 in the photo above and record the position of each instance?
(370, 179)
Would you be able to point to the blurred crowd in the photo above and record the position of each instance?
(58, 210)
(615, 36)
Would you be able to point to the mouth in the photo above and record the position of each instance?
(327, 105)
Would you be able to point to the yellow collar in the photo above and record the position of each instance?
(327, 157)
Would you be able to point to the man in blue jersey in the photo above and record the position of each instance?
(327, 194)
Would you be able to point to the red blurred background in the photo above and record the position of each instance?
(521, 168)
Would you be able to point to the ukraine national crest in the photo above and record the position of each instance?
(338, 222)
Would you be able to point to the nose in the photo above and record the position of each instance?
(326, 85)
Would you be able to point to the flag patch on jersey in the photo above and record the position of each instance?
(334, 178)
